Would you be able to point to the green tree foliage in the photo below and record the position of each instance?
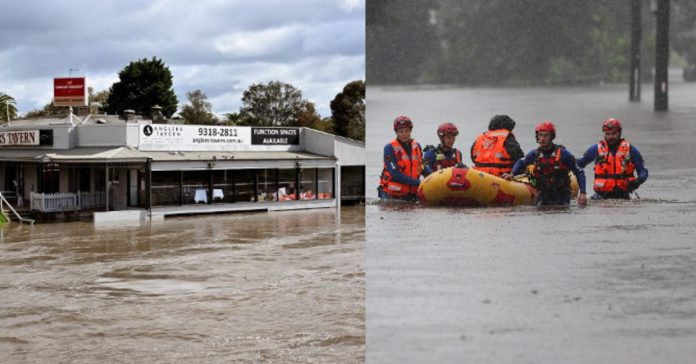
(402, 46)
(683, 28)
(513, 42)
(142, 84)
(271, 104)
(309, 118)
(535, 41)
(47, 111)
(8, 107)
(199, 110)
(98, 101)
(348, 111)
(234, 118)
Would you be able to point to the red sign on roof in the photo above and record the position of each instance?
(69, 91)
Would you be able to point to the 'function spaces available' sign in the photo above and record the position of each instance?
(70, 91)
(275, 136)
(168, 137)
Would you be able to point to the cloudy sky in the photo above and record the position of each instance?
(218, 46)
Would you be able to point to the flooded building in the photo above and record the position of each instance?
(129, 168)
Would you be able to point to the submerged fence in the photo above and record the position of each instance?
(65, 201)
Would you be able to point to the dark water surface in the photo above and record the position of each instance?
(280, 287)
(613, 282)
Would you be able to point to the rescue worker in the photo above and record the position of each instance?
(445, 154)
(403, 164)
(616, 163)
(496, 150)
(551, 162)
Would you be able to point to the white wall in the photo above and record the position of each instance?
(111, 135)
(350, 153)
(317, 142)
(132, 135)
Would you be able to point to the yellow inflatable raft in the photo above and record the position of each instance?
(469, 187)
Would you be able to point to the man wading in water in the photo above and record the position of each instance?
(616, 162)
(551, 163)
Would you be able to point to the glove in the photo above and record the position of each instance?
(632, 186)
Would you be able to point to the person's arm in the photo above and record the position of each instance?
(471, 152)
(579, 174)
(589, 156)
(637, 160)
(513, 148)
(396, 175)
(428, 162)
(521, 165)
(569, 160)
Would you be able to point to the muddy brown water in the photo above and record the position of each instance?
(613, 282)
(277, 287)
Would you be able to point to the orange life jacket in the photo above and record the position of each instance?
(489, 154)
(410, 167)
(613, 171)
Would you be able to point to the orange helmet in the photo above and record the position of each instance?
(402, 122)
(612, 124)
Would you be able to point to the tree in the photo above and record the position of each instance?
(401, 40)
(142, 84)
(98, 101)
(47, 111)
(8, 107)
(348, 111)
(199, 111)
(271, 104)
(234, 118)
(309, 118)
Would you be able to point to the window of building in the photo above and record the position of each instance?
(325, 183)
(287, 185)
(194, 188)
(223, 186)
(166, 188)
(268, 184)
(244, 182)
(308, 184)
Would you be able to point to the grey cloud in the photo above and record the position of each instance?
(42, 40)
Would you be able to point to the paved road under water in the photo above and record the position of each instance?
(613, 282)
(281, 287)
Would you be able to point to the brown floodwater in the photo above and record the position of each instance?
(280, 287)
(614, 282)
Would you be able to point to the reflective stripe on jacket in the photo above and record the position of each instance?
(613, 171)
(410, 166)
(489, 154)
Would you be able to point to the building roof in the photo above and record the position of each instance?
(127, 154)
(91, 119)
(230, 156)
(75, 155)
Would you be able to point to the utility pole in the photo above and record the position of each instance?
(661, 55)
(635, 79)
